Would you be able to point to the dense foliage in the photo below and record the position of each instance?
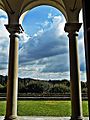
(28, 85)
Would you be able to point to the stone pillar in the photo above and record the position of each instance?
(12, 83)
(86, 20)
(76, 103)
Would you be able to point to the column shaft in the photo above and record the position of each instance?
(76, 103)
(75, 79)
(11, 108)
(12, 83)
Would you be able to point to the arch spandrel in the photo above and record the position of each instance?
(11, 6)
(73, 8)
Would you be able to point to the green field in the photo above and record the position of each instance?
(44, 108)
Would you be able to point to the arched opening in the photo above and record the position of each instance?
(44, 52)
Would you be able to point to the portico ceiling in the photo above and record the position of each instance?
(69, 8)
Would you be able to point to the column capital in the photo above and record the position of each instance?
(14, 28)
(72, 27)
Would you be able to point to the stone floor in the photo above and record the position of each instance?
(43, 118)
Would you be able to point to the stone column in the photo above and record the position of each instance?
(76, 104)
(86, 20)
(12, 83)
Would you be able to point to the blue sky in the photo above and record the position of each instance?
(43, 47)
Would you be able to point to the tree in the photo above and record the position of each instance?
(59, 89)
(35, 87)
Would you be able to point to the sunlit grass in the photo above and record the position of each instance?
(43, 108)
(2, 108)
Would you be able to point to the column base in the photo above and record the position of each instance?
(11, 118)
(77, 118)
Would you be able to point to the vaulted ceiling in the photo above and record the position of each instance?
(15, 8)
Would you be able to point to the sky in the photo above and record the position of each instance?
(43, 46)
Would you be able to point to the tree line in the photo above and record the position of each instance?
(28, 85)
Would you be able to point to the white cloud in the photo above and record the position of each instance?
(4, 43)
(50, 15)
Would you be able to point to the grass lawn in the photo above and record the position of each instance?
(2, 108)
(44, 108)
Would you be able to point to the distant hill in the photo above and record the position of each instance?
(29, 85)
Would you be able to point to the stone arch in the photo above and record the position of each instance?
(32, 4)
